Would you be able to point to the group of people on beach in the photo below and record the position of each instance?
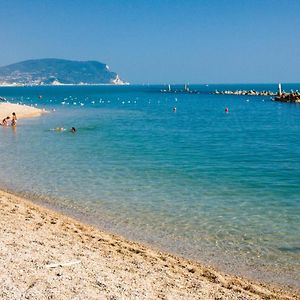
(12, 120)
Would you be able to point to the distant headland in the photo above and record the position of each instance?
(52, 71)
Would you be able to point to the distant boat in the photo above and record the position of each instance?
(168, 90)
(185, 90)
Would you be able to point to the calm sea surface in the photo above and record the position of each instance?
(219, 187)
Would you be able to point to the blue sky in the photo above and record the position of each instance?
(204, 41)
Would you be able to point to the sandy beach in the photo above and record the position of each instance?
(46, 255)
(22, 111)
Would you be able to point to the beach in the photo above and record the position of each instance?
(149, 150)
(46, 255)
(22, 111)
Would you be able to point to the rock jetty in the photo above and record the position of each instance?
(282, 96)
(292, 97)
(245, 93)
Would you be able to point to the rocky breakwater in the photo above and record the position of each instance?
(292, 97)
(245, 93)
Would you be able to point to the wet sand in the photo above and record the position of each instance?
(46, 255)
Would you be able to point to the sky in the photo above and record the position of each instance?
(160, 41)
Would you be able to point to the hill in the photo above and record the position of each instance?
(51, 71)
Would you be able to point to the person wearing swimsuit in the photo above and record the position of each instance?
(14, 119)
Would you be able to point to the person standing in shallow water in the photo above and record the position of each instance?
(14, 119)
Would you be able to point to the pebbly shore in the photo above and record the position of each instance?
(46, 255)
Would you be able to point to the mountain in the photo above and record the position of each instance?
(52, 71)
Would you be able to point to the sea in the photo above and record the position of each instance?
(171, 170)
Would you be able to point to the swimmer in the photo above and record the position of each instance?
(226, 110)
(73, 130)
(174, 109)
(59, 129)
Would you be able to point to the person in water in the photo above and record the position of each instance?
(72, 129)
(14, 119)
(59, 129)
(5, 121)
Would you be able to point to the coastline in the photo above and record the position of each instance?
(63, 84)
(22, 111)
(47, 254)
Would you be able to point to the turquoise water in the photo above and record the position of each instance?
(220, 188)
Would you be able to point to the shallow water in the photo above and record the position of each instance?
(219, 187)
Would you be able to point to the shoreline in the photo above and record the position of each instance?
(72, 258)
(22, 111)
(64, 84)
(106, 223)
